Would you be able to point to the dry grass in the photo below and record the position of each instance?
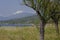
(27, 33)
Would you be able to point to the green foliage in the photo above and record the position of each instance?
(46, 8)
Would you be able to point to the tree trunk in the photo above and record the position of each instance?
(42, 25)
(56, 26)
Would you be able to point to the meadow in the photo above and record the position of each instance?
(28, 33)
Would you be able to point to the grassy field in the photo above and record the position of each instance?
(27, 33)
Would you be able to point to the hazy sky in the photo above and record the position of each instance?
(11, 7)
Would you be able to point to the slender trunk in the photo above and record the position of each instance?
(42, 25)
(56, 26)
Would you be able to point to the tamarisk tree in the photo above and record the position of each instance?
(43, 8)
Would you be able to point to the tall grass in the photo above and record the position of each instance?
(27, 33)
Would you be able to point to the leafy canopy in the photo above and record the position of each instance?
(44, 7)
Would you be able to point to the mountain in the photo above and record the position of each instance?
(15, 16)
(21, 15)
(25, 20)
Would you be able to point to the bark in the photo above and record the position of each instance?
(42, 25)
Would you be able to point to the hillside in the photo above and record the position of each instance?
(25, 20)
(16, 16)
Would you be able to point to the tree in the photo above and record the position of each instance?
(43, 8)
(56, 12)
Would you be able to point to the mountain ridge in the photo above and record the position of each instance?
(21, 15)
